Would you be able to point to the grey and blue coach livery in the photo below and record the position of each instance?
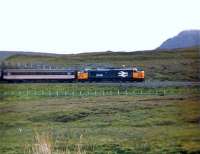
(69, 75)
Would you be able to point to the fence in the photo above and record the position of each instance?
(87, 93)
(12, 65)
(18, 65)
(48, 91)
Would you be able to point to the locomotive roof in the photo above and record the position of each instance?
(106, 69)
(64, 70)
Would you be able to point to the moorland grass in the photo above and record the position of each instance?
(108, 124)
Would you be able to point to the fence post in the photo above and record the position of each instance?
(57, 93)
(118, 92)
(95, 93)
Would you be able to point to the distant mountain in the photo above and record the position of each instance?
(185, 39)
(6, 54)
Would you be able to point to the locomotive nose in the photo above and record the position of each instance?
(141, 74)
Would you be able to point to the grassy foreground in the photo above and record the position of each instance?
(109, 124)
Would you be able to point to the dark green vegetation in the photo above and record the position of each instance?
(180, 64)
(109, 124)
(163, 120)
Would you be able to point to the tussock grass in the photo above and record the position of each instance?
(110, 124)
(44, 143)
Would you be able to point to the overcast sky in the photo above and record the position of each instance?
(72, 26)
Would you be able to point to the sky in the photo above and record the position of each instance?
(74, 26)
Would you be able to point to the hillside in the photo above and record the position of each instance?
(184, 39)
(6, 54)
(180, 64)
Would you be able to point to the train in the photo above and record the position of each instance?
(73, 75)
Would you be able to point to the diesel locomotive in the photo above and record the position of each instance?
(69, 75)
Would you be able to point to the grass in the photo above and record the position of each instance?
(44, 144)
(110, 124)
(45, 90)
(180, 64)
(122, 124)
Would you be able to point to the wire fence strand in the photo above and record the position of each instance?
(87, 93)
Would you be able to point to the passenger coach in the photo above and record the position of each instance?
(39, 75)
